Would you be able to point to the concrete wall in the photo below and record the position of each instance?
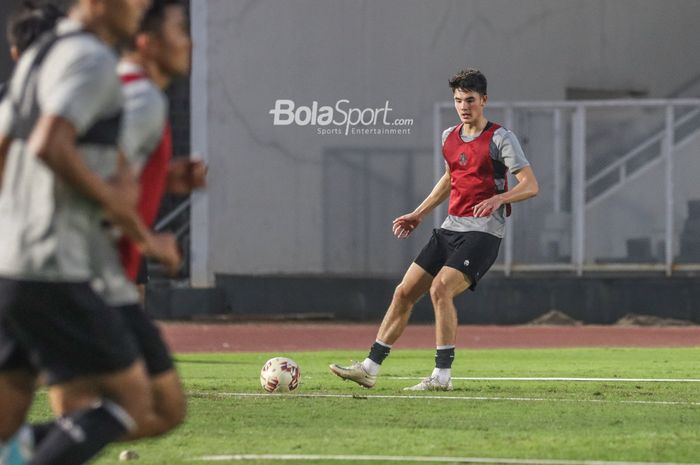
(268, 205)
(7, 7)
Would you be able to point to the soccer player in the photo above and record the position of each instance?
(477, 155)
(23, 28)
(161, 52)
(30, 22)
(59, 142)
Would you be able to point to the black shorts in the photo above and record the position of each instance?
(62, 329)
(148, 338)
(472, 253)
(142, 276)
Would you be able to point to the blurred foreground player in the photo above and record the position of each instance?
(161, 52)
(477, 153)
(23, 28)
(28, 24)
(60, 140)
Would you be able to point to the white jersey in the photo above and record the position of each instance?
(48, 231)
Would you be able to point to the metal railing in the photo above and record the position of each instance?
(573, 115)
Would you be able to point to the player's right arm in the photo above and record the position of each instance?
(404, 225)
(5, 138)
(53, 140)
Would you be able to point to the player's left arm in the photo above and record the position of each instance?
(510, 153)
(526, 188)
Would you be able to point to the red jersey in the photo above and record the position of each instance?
(152, 183)
(473, 173)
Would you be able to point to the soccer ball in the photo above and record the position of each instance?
(280, 374)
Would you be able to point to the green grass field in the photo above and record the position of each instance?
(630, 421)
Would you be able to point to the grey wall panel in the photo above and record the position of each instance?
(268, 195)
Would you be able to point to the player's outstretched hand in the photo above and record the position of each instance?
(488, 206)
(163, 247)
(185, 175)
(404, 225)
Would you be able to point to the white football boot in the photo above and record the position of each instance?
(430, 383)
(355, 372)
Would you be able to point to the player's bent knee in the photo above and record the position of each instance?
(405, 294)
(172, 412)
(17, 393)
(438, 291)
(67, 398)
(10, 421)
(169, 399)
(9, 424)
(129, 389)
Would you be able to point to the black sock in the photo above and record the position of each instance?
(40, 430)
(76, 438)
(444, 357)
(378, 352)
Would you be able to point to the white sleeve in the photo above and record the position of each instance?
(6, 116)
(142, 124)
(510, 152)
(77, 86)
(446, 134)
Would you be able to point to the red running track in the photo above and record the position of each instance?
(270, 337)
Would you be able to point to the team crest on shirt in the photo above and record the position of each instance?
(462, 159)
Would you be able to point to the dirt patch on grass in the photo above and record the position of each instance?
(555, 318)
(632, 319)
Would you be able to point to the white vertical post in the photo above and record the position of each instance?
(438, 159)
(558, 150)
(200, 275)
(668, 157)
(508, 259)
(578, 186)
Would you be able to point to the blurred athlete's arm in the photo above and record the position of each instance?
(53, 141)
(5, 142)
(185, 175)
(405, 224)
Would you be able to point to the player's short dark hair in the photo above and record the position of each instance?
(469, 80)
(31, 21)
(153, 19)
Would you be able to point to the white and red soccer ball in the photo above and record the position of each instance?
(280, 374)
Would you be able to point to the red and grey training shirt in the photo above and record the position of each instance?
(478, 169)
(147, 143)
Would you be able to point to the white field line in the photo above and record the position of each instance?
(613, 380)
(438, 397)
(408, 458)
